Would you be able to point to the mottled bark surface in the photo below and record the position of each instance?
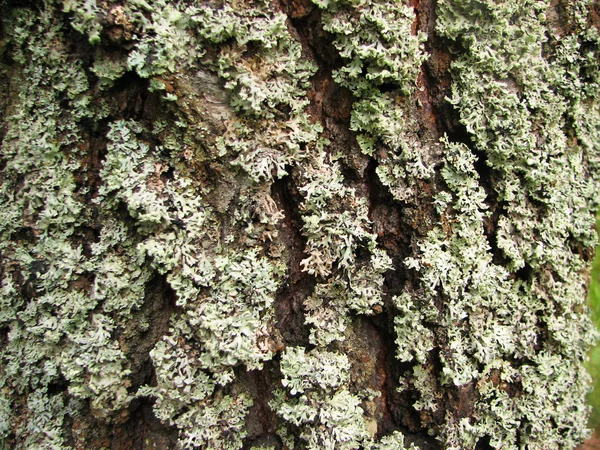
(296, 224)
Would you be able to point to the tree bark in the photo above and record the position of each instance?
(286, 224)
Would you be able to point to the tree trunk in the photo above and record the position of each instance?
(286, 224)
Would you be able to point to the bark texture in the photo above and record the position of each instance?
(337, 224)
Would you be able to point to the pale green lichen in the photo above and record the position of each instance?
(515, 96)
(413, 339)
(259, 89)
(189, 398)
(316, 398)
(166, 44)
(337, 226)
(526, 94)
(63, 328)
(376, 41)
(165, 214)
(85, 17)
(226, 298)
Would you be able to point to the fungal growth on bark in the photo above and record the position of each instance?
(285, 224)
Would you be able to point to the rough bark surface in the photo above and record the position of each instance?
(295, 224)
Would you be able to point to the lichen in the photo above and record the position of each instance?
(104, 196)
(317, 400)
(379, 49)
(515, 95)
(377, 41)
(59, 326)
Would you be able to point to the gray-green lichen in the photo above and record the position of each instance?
(518, 90)
(376, 41)
(184, 192)
(52, 289)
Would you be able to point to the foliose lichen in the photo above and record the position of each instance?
(99, 199)
(53, 286)
(379, 49)
(519, 95)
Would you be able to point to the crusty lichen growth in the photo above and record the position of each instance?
(183, 192)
